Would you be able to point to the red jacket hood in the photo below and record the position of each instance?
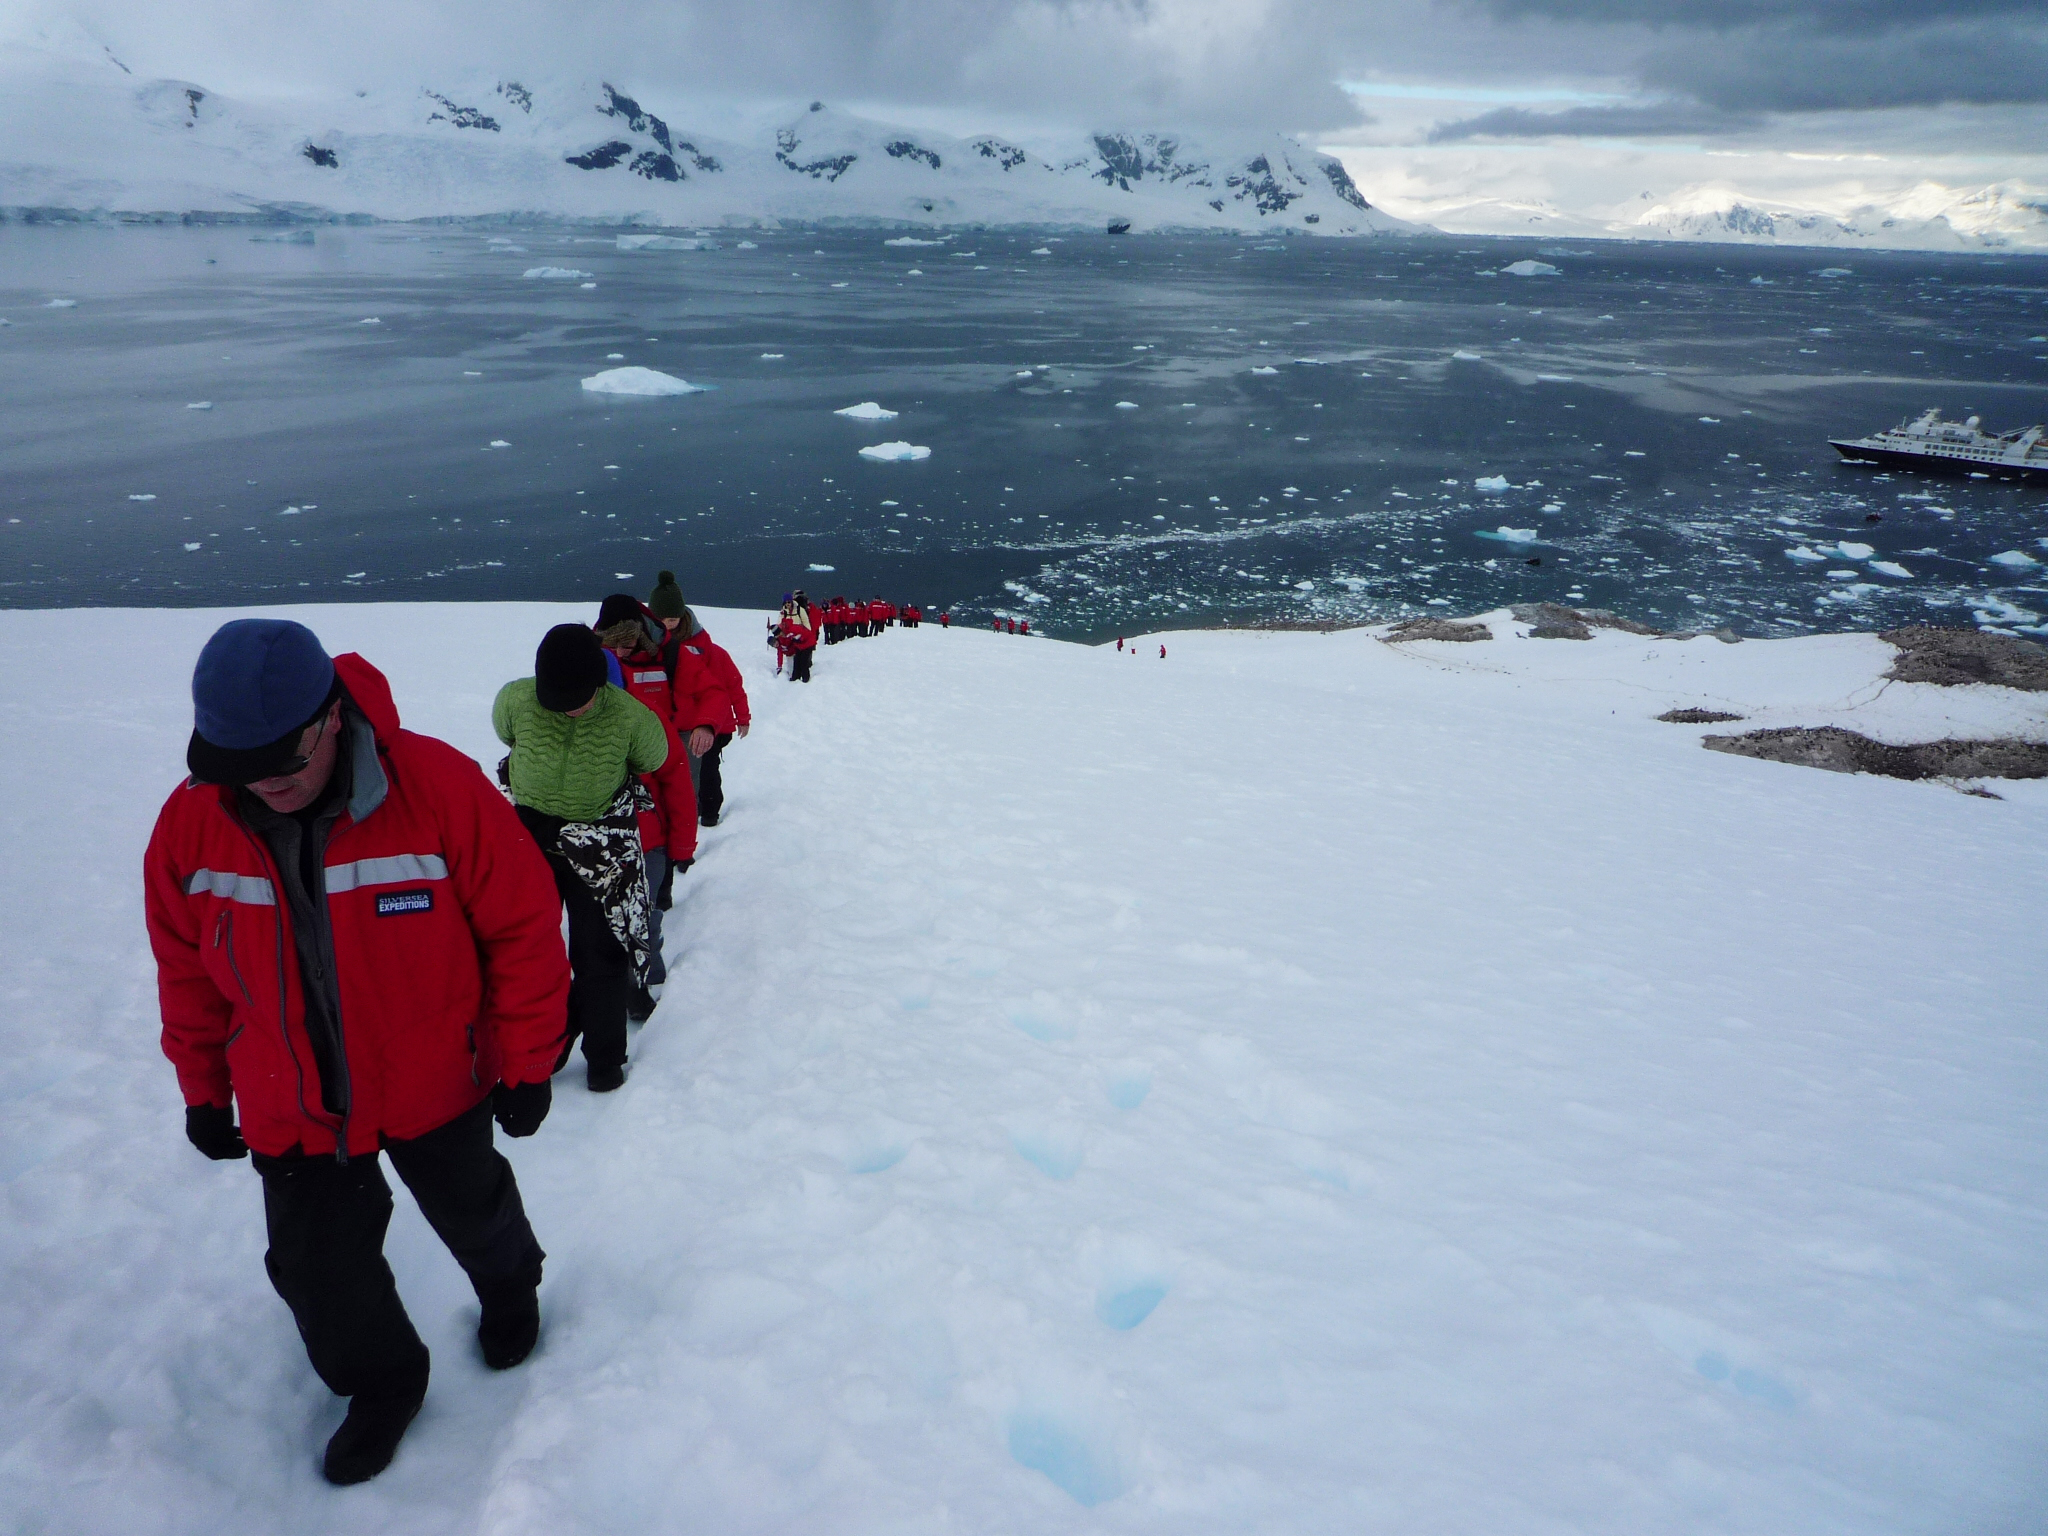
(371, 692)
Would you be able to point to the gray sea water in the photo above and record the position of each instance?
(1125, 433)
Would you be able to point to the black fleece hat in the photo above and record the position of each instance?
(619, 608)
(568, 669)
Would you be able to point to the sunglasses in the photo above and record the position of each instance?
(292, 765)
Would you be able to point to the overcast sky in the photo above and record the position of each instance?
(1905, 79)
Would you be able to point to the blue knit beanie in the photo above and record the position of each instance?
(257, 685)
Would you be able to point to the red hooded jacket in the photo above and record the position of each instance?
(672, 824)
(447, 947)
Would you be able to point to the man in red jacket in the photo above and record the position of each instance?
(358, 945)
(699, 665)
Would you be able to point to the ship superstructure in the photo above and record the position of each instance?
(1951, 447)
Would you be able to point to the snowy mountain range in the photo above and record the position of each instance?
(82, 135)
(1927, 215)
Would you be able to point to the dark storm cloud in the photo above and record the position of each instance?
(1720, 15)
(1792, 70)
(1663, 120)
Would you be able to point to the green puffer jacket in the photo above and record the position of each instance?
(571, 765)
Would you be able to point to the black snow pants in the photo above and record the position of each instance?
(800, 667)
(710, 783)
(600, 969)
(326, 1221)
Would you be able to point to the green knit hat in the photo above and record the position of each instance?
(666, 602)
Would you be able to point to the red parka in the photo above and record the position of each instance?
(447, 947)
(672, 824)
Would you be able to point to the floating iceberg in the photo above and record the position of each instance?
(1531, 269)
(1491, 483)
(1890, 568)
(200, 405)
(62, 304)
(2018, 559)
(1043, 250)
(499, 442)
(1849, 551)
(660, 243)
(1516, 535)
(1466, 357)
(1801, 552)
(142, 495)
(895, 453)
(639, 381)
(1265, 370)
(911, 240)
(1127, 405)
(1833, 272)
(867, 410)
(1553, 378)
(569, 274)
(816, 567)
(746, 245)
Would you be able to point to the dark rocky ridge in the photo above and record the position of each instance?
(1839, 751)
(1957, 657)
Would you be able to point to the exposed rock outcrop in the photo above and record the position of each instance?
(1956, 657)
(1841, 751)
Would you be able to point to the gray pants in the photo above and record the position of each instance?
(657, 867)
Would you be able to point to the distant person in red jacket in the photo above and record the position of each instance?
(358, 946)
(1023, 626)
(701, 667)
(796, 636)
(946, 619)
(1119, 642)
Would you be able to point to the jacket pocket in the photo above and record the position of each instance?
(224, 940)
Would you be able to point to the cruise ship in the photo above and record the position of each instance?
(1955, 448)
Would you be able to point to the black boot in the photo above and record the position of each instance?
(641, 1009)
(369, 1436)
(511, 1324)
(606, 1079)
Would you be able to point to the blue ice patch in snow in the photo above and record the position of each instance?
(1045, 1445)
(876, 1159)
(1127, 1308)
(1765, 1389)
(1055, 1157)
(1039, 1028)
(1128, 1091)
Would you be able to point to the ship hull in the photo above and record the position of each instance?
(1927, 463)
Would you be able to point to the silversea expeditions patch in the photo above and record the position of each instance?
(394, 903)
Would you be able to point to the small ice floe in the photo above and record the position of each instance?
(1308, 362)
(190, 547)
(1491, 483)
(1466, 357)
(372, 320)
(2018, 559)
(1042, 250)
(1762, 282)
(838, 285)
(615, 357)
(472, 373)
(586, 285)
(499, 442)
(1847, 550)
(1891, 568)
(62, 304)
(622, 575)
(199, 405)
(746, 245)
(1553, 506)
(1633, 453)
(814, 566)
(1801, 552)
(1843, 575)
(1511, 535)
(291, 511)
(1142, 347)
(355, 575)
(142, 495)
(867, 410)
(557, 274)
(891, 503)
(1127, 405)
(661, 243)
(640, 381)
(1553, 378)
(911, 240)
(1023, 373)
(1710, 421)
(771, 357)
(1833, 272)
(1531, 269)
(1265, 370)
(915, 272)
(895, 453)
(1820, 330)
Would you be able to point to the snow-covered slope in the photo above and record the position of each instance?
(79, 133)
(1299, 1084)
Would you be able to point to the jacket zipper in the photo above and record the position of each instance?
(348, 1096)
(224, 937)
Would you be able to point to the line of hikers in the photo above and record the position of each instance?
(391, 925)
(796, 630)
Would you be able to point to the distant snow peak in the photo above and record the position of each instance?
(517, 95)
(1007, 155)
(825, 167)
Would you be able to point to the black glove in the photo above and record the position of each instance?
(211, 1128)
(665, 897)
(505, 770)
(520, 1109)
